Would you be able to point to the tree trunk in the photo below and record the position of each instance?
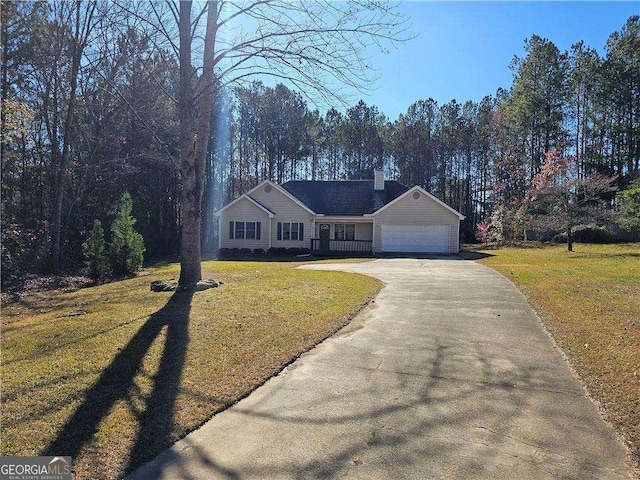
(56, 220)
(569, 238)
(194, 137)
(79, 42)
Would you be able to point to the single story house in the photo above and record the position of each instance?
(340, 216)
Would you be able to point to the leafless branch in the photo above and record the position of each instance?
(320, 46)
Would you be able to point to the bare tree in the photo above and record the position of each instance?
(318, 47)
(60, 33)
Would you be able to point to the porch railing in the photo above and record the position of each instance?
(342, 246)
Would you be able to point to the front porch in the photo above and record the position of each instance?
(343, 236)
(342, 247)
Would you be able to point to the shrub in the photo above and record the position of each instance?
(496, 230)
(628, 201)
(21, 249)
(245, 251)
(482, 231)
(506, 224)
(591, 233)
(277, 251)
(235, 251)
(258, 251)
(297, 251)
(127, 245)
(95, 252)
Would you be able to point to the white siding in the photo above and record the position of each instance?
(285, 210)
(423, 211)
(244, 211)
(364, 231)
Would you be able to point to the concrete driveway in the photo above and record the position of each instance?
(448, 374)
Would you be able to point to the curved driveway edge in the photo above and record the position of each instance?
(448, 374)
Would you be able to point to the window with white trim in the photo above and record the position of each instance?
(290, 231)
(239, 230)
(250, 230)
(344, 231)
(244, 230)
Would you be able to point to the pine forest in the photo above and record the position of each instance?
(91, 100)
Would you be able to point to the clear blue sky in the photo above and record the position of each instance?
(463, 49)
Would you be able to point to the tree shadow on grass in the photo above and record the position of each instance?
(473, 255)
(156, 419)
(603, 255)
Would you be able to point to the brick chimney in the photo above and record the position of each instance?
(378, 179)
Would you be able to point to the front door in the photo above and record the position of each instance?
(325, 235)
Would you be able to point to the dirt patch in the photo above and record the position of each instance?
(16, 289)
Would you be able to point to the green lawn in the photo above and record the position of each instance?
(114, 374)
(589, 300)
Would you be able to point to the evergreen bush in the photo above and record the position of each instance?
(127, 245)
(628, 202)
(95, 252)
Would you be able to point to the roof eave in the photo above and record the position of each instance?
(245, 196)
(274, 185)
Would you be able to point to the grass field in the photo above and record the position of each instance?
(114, 374)
(589, 300)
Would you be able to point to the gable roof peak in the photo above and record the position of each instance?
(427, 194)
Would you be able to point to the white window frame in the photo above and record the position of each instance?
(239, 233)
(295, 231)
(246, 230)
(290, 231)
(343, 230)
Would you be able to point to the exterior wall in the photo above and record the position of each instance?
(244, 211)
(364, 231)
(423, 211)
(285, 210)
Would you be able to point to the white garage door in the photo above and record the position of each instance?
(415, 238)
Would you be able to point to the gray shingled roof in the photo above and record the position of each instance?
(351, 197)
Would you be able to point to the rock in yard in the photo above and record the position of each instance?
(204, 285)
(162, 286)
